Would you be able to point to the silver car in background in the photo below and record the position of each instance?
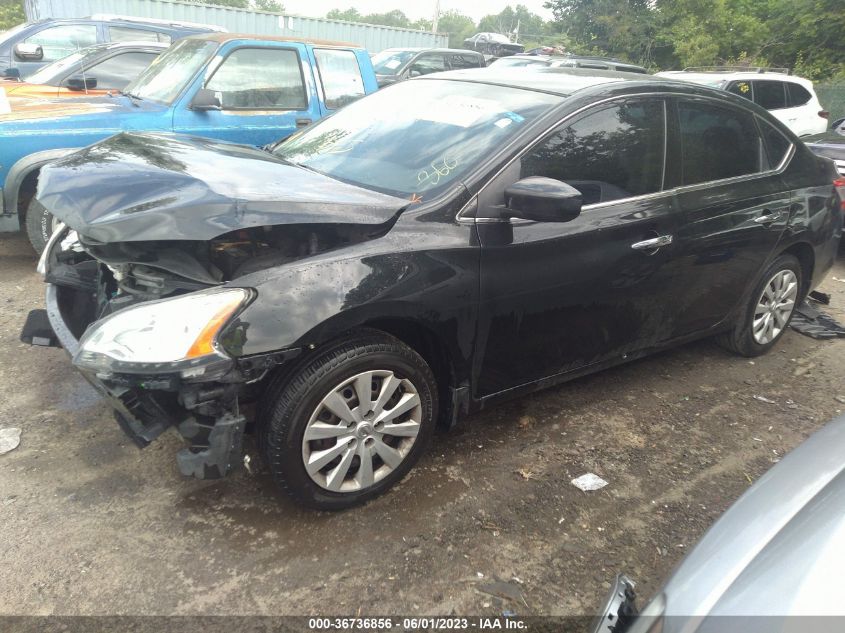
(772, 561)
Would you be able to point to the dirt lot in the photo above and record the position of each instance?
(92, 525)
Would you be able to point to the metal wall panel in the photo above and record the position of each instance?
(372, 37)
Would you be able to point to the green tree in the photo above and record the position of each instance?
(457, 26)
(11, 14)
(349, 15)
(274, 6)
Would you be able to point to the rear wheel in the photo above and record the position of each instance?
(349, 424)
(771, 307)
(40, 224)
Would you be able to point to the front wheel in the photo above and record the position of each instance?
(770, 310)
(40, 224)
(350, 423)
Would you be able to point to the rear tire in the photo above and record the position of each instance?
(769, 311)
(370, 450)
(39, 225)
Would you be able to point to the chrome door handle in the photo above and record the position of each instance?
(655, 242)
(768, 218)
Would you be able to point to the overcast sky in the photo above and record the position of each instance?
(476, 9)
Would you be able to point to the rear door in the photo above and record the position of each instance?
(266, 92)
(733, 208)
(559, 296)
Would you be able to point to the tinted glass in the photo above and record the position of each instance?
(416, 138)
(464, 61)
(798, 95)
(60, 41)
(741, 88)
(611, 154)
(770, 94)
(776, 143)
(116, 72)
(53, 72)
(390, 61)
(716, 142)
(260, 79)
(427, 64)
(341, 77)
(169, 74)
(125, 34)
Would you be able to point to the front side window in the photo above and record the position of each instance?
(614, 153)
(127, 34)
(340, 75)
(56, 70)
(716, 142)
(260, 79)
(61, 41)
(741, 88)
(428, 64)
(116, 72)
(463, 61)
(770, 94)
(418, 138)
(170, 73)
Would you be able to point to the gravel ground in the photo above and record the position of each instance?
(93, 526)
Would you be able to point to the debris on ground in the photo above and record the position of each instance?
(525, 473)
(504, 590)
(839, 399)
(9, 439)
(812, 322)
(764, 399)
(589, 481)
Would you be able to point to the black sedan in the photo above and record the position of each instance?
(432, 249)
(494, 44)
(830, 144)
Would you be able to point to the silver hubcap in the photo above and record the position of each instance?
(775, 306)
(361, 431)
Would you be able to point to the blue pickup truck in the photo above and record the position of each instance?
(242, 88)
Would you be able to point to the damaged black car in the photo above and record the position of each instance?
(430, 250)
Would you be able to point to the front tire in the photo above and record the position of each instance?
(40, 224)
(350, 423)
(769, 311)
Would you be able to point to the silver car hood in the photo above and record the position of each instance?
(778, 551)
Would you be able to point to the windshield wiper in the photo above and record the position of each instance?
(135, 98)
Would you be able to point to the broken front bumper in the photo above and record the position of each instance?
(146, 406)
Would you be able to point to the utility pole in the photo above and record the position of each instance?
(436, 16)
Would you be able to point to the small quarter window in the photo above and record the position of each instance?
(127, 34)
(611, 154)
(798, 95)
(341, 77)
(716, 142)
(777, 145)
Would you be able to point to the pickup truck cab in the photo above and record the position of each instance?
(242, 88)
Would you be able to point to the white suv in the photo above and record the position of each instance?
(790, 99)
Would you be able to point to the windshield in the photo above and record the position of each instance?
(166, 77)
(416, 138)
(49, 72)
(390, 61)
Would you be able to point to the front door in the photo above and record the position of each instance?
(559, 296)
(264, 94)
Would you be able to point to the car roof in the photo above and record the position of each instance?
(426, 49)
(559, 81)
(716, 77)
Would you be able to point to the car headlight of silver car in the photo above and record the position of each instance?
(176, 335)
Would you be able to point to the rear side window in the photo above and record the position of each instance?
(777, 145)
(427, 64)
(341, 77)
(260, 79)
(127, 34)
(770, 95)
(798, 95)
(116, 72)
(716, 142)
(740, 88)
(464, 61)
(611, 154)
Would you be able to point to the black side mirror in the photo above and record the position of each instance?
(12, 73)
(205, 100)
(29, 52)
(78, 82)
(543, 200)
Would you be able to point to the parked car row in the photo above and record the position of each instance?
(431, 249)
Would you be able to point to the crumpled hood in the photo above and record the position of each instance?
(147, 187)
